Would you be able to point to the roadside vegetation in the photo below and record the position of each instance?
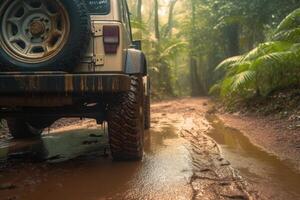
(237, 50)
(271, 66)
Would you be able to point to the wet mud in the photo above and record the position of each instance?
(75, 165)
(275, 178)
(182, 160)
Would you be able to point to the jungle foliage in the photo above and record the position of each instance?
(270, 66)
(186, 42)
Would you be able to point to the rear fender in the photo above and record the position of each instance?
(135, 62)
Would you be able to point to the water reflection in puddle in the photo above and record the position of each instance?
(271, 176)
(163, 174)
(58, 147)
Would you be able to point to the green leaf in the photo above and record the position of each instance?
(290, 22)
(242, 79)
(227, 64)
(292, 35)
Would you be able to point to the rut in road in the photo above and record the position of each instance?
(213, 177)
(180, 162)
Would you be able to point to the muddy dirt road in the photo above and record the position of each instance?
(181, 162)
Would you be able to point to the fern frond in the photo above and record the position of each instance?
(241, 67)
(290, 22)
(292, 35)
(215, 89)
(295, 48)
(226, 64)
(272, 60)
(242, 79)
(271, 65)
(169, 49)
(266, 48)
(225, 89)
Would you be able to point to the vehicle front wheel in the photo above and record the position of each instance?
(126, 123)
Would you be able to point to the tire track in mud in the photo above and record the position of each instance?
(212, 176)
(181, 162)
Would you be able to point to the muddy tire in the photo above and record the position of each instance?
(52, 35)
(20, 129)
(126, 123)
(147, 112)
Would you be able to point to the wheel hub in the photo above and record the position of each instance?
(37, 28)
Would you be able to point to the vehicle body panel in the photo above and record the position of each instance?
(98, 75)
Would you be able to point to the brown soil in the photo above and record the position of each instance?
(273, 122)
(213, 177)
(270, 133)
(180, 159)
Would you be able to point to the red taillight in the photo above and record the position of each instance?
(111, 39)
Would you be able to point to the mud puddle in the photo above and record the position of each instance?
(58, 147)
(272, 177)
(71, 165)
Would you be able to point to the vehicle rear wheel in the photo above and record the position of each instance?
(20, 129)
(126, 123)
(147, 112)
(147, 102)
(42, 34)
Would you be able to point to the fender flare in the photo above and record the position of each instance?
(135, 62)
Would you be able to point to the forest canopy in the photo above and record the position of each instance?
(232, 48)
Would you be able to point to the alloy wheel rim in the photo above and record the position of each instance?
(33, 31)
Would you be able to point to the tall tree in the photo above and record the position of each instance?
(139, 10)
(168, 31)
(196, 76)
(156, 20)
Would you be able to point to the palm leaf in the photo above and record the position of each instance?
(240, 67)
(227, 64)
(266, 48)
(169, 49)
(215, 89)
(292, 35)
(272, 60)
(226, 84)
(271, 65)
(290, 22)
(242, 79)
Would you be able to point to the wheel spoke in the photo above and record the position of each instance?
(57, 33)
(44, 8)
(28, 48)
(16, 21)
(26, 6)
(14, 39)
(46, 48)
(28, 23)
(54, 18)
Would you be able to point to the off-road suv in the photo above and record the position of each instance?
(73, 58)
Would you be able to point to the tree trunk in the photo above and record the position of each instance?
(233, 39)
(139, 10)
(193, 77)
(168, 32)
(197, 83)
(156, 20)
(139, 17)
